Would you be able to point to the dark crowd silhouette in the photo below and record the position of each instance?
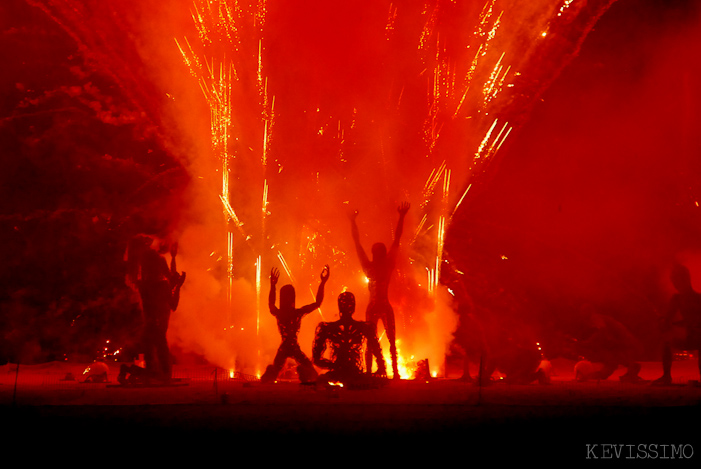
(681, 325)
(159, 289)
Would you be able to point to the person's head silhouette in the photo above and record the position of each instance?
(681, 278)
(379, 252)
(287, 297)
(346, 304)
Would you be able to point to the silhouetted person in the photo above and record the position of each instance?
(346, 339)
(133, 374)
(494, 344)
(159, 287)
(176, 279)
(683, 317)
(608, 343)
(379, 271)
(469, 337)
(515, 354)
(289, 320)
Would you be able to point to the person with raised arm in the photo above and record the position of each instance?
(379, 271)
(159, 288)
(289, 321)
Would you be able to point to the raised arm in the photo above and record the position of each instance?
(176, 279)
(173, 253)
(274, 276)
(402, 209)
(319, 293)
(364, 261)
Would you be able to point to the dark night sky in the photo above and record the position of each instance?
(595, 196)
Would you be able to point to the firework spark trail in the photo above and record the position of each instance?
(264, 207)
(488, 26)
(496, 78)
(391, 19)
(419, 227)
(428, 28)
(450, 99)
(268, 119)
(261, 81)
(499, 140)
(485, 140)
(311, 290)
(431, 182)
(443, 92)
(232, 216)
(434, 272)
(286, 267)
(460, 201)
(464, 91)
(472, 80)
(442, 220)
(229, 272)
(258, 291)
(218, 24)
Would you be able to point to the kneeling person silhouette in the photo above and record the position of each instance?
(346, 338)
(289, 320)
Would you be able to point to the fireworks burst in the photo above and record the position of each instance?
(480, 66)
(220, 62)
(473, 81)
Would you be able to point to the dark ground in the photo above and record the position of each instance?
(438, 432)
(408, 421)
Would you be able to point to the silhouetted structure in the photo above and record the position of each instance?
(495, 344)
(379, 271)
(289, 320)
(159, 287)
(681, 326)
(346, 339)
(470, 339)
(607, 343)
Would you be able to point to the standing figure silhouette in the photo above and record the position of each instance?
(681, 326)
(159, 287)
(379, 271)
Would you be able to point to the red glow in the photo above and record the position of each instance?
(318, 108)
